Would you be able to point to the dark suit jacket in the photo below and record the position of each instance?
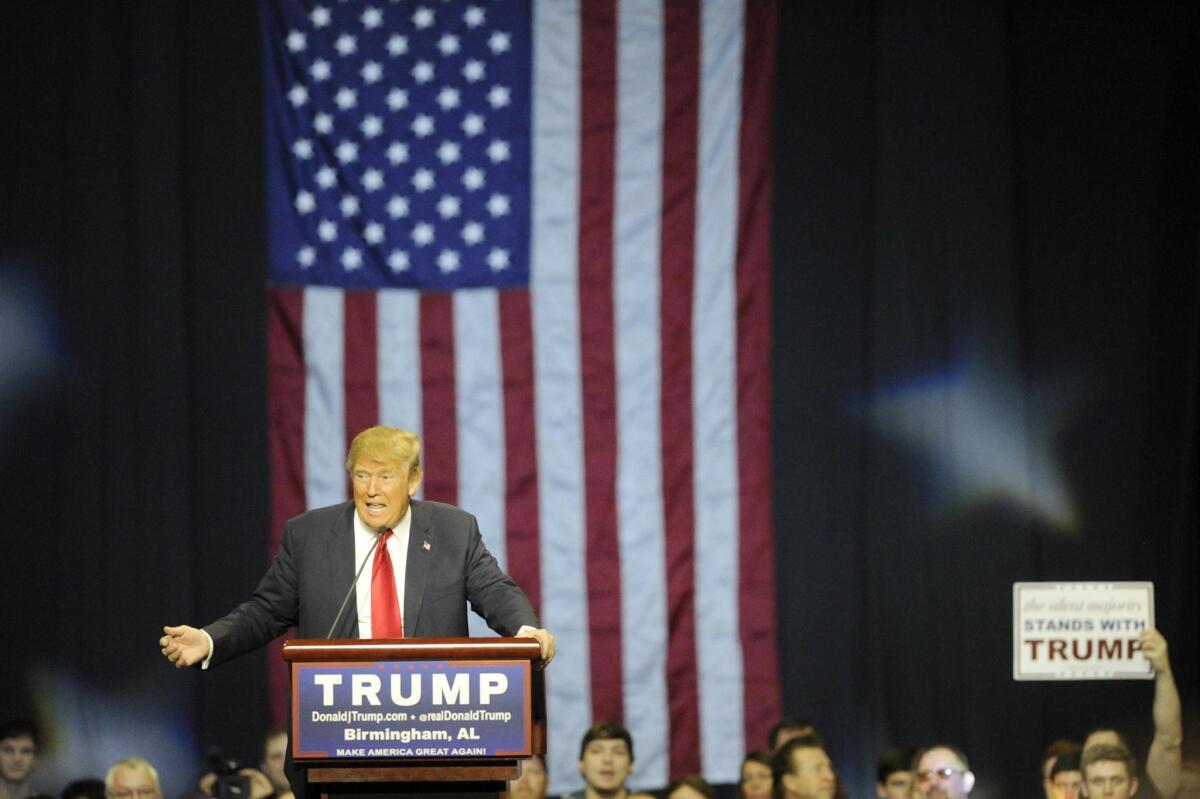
(309, 578)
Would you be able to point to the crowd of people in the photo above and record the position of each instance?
(135, 778)
(795, 765)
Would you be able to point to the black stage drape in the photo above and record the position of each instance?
(985, 368)
(134, 444)
(986, 286)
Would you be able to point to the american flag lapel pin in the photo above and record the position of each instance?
(425, 546)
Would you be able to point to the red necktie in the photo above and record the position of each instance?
(385, 607)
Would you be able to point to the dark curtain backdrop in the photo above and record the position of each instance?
(134, 415)
(986, 349)
(985, 360)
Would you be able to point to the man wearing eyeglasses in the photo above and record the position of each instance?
(1109, 772)
(942, 772)
(132, 778)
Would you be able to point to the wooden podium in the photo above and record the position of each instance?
(340, 774)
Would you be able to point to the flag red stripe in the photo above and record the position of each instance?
(439, 416)
(359, 381)
(285, 446)
(597, 352)
(681, 46)
(520, 445)
(757, 575)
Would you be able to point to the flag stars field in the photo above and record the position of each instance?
(372, 18)
(397, 99)
(394, 84)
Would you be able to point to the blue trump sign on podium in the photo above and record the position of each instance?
(410, 709)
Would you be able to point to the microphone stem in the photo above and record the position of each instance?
(353, 585)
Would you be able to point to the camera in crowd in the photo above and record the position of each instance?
(230, 782)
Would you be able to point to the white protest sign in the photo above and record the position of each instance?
(1081, 631)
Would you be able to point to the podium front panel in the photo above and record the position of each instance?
(441, 710)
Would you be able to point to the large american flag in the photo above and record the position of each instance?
(537, 233)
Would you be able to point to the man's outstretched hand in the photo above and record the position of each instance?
(184, 646)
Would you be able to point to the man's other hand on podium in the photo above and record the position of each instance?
(545, 640)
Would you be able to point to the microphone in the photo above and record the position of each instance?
(353, 585)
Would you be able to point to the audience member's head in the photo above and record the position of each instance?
(1109, 772)
(1065, 776)
(1106, 735)
(756, 778)
(606, 759)
(790, 728)
(893, 773)
(86, 788)
(531, 784)
(802, 770)
(274, 753)
(1189, 780)
(18, 750)
(1049, 756)
(132, 778)
(693, 786)
(942, 772)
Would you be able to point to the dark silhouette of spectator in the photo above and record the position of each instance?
(84, 788)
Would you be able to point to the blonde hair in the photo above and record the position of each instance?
(387, 444)
(133, 764)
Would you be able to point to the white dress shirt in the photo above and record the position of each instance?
(397, 547)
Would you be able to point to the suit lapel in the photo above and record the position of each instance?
(339, 555)
(416, 571)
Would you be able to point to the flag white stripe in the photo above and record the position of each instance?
(637, 243)
(324, 397)
(714, 363)
(398, 372)
(479, 404)
(398, 367)
(554, 308)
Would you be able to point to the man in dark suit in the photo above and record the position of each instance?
(438, 563)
